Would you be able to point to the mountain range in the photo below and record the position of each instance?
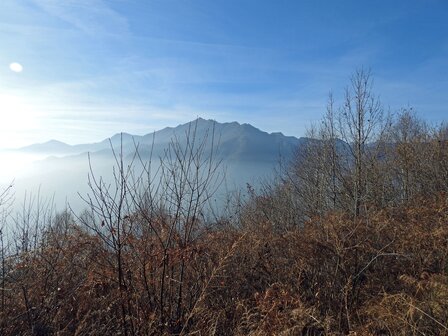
(248, 155)
(235, 141)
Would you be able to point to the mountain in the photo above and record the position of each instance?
(52, 147)
(247, 155)
(235, 141)
(58, 148)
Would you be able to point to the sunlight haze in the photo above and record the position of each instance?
(96, 67)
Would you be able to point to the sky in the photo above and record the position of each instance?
(82, 70)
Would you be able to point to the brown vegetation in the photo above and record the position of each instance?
(385, 274)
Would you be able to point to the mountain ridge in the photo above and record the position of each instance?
(224, 131)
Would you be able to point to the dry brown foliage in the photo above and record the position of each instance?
(384, 274)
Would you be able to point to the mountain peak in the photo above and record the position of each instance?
(54, 142)
(200, 120)
(49, 146)
(120, 135)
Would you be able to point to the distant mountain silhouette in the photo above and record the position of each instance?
(49, 147)
(236, 141)
(247, 154)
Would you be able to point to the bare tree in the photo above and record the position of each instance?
(361, 125)
(109, 205)
(409, 137)
(166, 201)
(338, 166)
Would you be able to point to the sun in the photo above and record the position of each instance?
(16, 67)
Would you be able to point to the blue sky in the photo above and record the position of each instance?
(92, 68)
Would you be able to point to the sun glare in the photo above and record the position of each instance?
(16, 67)
(18, 165)
(17, 117)
(13, 111)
